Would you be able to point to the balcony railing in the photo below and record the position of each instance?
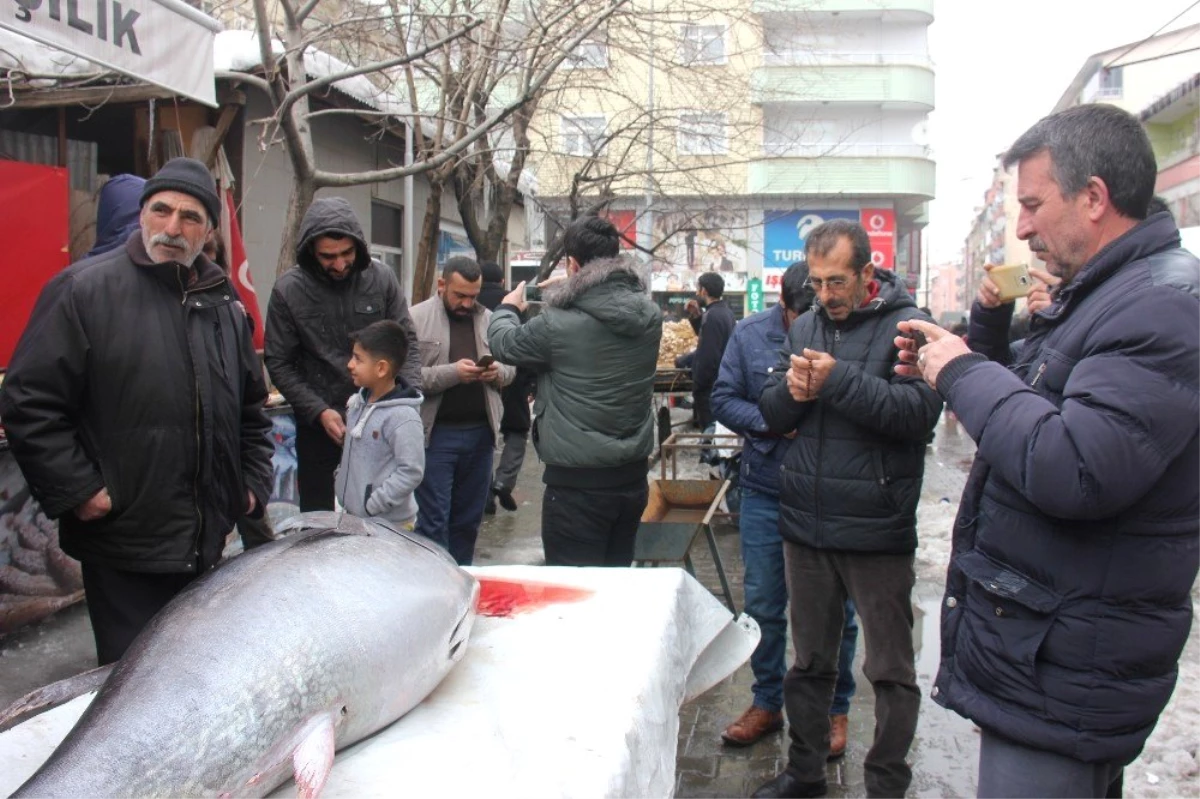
(845, 150)
(838, 58)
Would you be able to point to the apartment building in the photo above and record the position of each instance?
(1173, 124)
(748, 123)
(993, 237)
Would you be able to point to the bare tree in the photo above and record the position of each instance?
(440, 63)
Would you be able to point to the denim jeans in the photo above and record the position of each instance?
(451, 496)
(767, 601)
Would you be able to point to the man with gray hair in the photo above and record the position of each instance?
(134, 407)
(1068, 598)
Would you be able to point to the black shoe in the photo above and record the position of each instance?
(506, 499)
(490, 507)
(787, 785)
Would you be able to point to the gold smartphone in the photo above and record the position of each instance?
(1013, 280)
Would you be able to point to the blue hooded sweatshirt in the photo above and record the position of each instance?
(118, 213)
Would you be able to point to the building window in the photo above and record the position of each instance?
(702, 134)
(702, 44)
(1111, 82)
(387, 224)
(589, 55)
(583, 135)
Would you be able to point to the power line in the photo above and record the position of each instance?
(1133, 47)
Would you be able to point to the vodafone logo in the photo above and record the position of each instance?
(876, 222)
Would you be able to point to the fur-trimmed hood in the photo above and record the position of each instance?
(604, 289)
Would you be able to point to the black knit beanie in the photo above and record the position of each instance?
(189, 176)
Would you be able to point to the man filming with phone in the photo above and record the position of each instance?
(595, 347)
(461, 411)
(1068, 597)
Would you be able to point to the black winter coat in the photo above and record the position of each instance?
(715, 330)
(1075, 549)
(852, 477)
(124, 379)
(311, 316)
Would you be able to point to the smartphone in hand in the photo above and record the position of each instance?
(533, 293)
(1013, 280)
(485, 361)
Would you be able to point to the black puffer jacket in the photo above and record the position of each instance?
(311, 316)
(126, 380)
(852, 477)
(1075, 548)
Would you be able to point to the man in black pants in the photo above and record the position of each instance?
(334, 289)
(134, 405)
(594, 347)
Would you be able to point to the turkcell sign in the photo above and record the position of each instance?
(164, 42)
(784, 234)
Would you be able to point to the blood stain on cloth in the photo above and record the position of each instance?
(507, 598)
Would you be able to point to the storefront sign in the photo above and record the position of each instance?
(784, 236)
(626, 224)
(165, 42)
(687, 244)
(881, 230)
(754, 295)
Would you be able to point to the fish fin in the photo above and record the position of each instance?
(51, 696)
(501, 597)
(312, 760)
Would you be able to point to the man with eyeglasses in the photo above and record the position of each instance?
(849, 486)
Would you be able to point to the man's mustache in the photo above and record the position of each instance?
(168, 240)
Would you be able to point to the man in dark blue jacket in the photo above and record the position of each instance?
(1075, 549)
(715, 330)
(750, 356)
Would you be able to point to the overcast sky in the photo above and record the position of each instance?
(1001, 66)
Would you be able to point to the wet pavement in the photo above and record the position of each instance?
(943, 756)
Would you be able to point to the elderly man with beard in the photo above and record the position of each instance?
(334, 289)
(134, 407)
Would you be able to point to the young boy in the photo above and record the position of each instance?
(383, 454)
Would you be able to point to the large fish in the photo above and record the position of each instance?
(264, 668)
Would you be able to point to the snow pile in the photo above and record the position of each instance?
(1169, 765)
(935, 522)
(20, 53)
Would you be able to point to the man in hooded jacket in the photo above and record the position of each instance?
(595, 347)
(334, 289)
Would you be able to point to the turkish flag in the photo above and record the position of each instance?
(239, 267)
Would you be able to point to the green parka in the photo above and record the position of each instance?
(595, 347)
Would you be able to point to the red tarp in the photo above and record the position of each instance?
(34, 210)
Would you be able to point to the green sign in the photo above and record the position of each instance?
(754, 295)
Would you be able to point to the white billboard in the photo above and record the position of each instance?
(165, 42)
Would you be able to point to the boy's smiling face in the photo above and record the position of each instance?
(365, 370)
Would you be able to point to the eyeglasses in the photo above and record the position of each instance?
(834, 284)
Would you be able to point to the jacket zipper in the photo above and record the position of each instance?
(199, 425)
(1040, 371)
(837, 337)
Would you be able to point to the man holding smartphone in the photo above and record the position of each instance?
(595, 348)
(462, 409)
(1068, 597)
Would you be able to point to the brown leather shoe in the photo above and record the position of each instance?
(837, 736)
(752, 726)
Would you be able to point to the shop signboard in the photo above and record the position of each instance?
(754, 295)
(783, 239)
(688, 243)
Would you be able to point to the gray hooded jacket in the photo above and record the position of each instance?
(383, 456)
(311, 316)
(595, 348)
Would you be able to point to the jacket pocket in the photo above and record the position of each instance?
(1007, 618)
(368, 308)
(884, 481)
(430, 350)
(367, 497)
